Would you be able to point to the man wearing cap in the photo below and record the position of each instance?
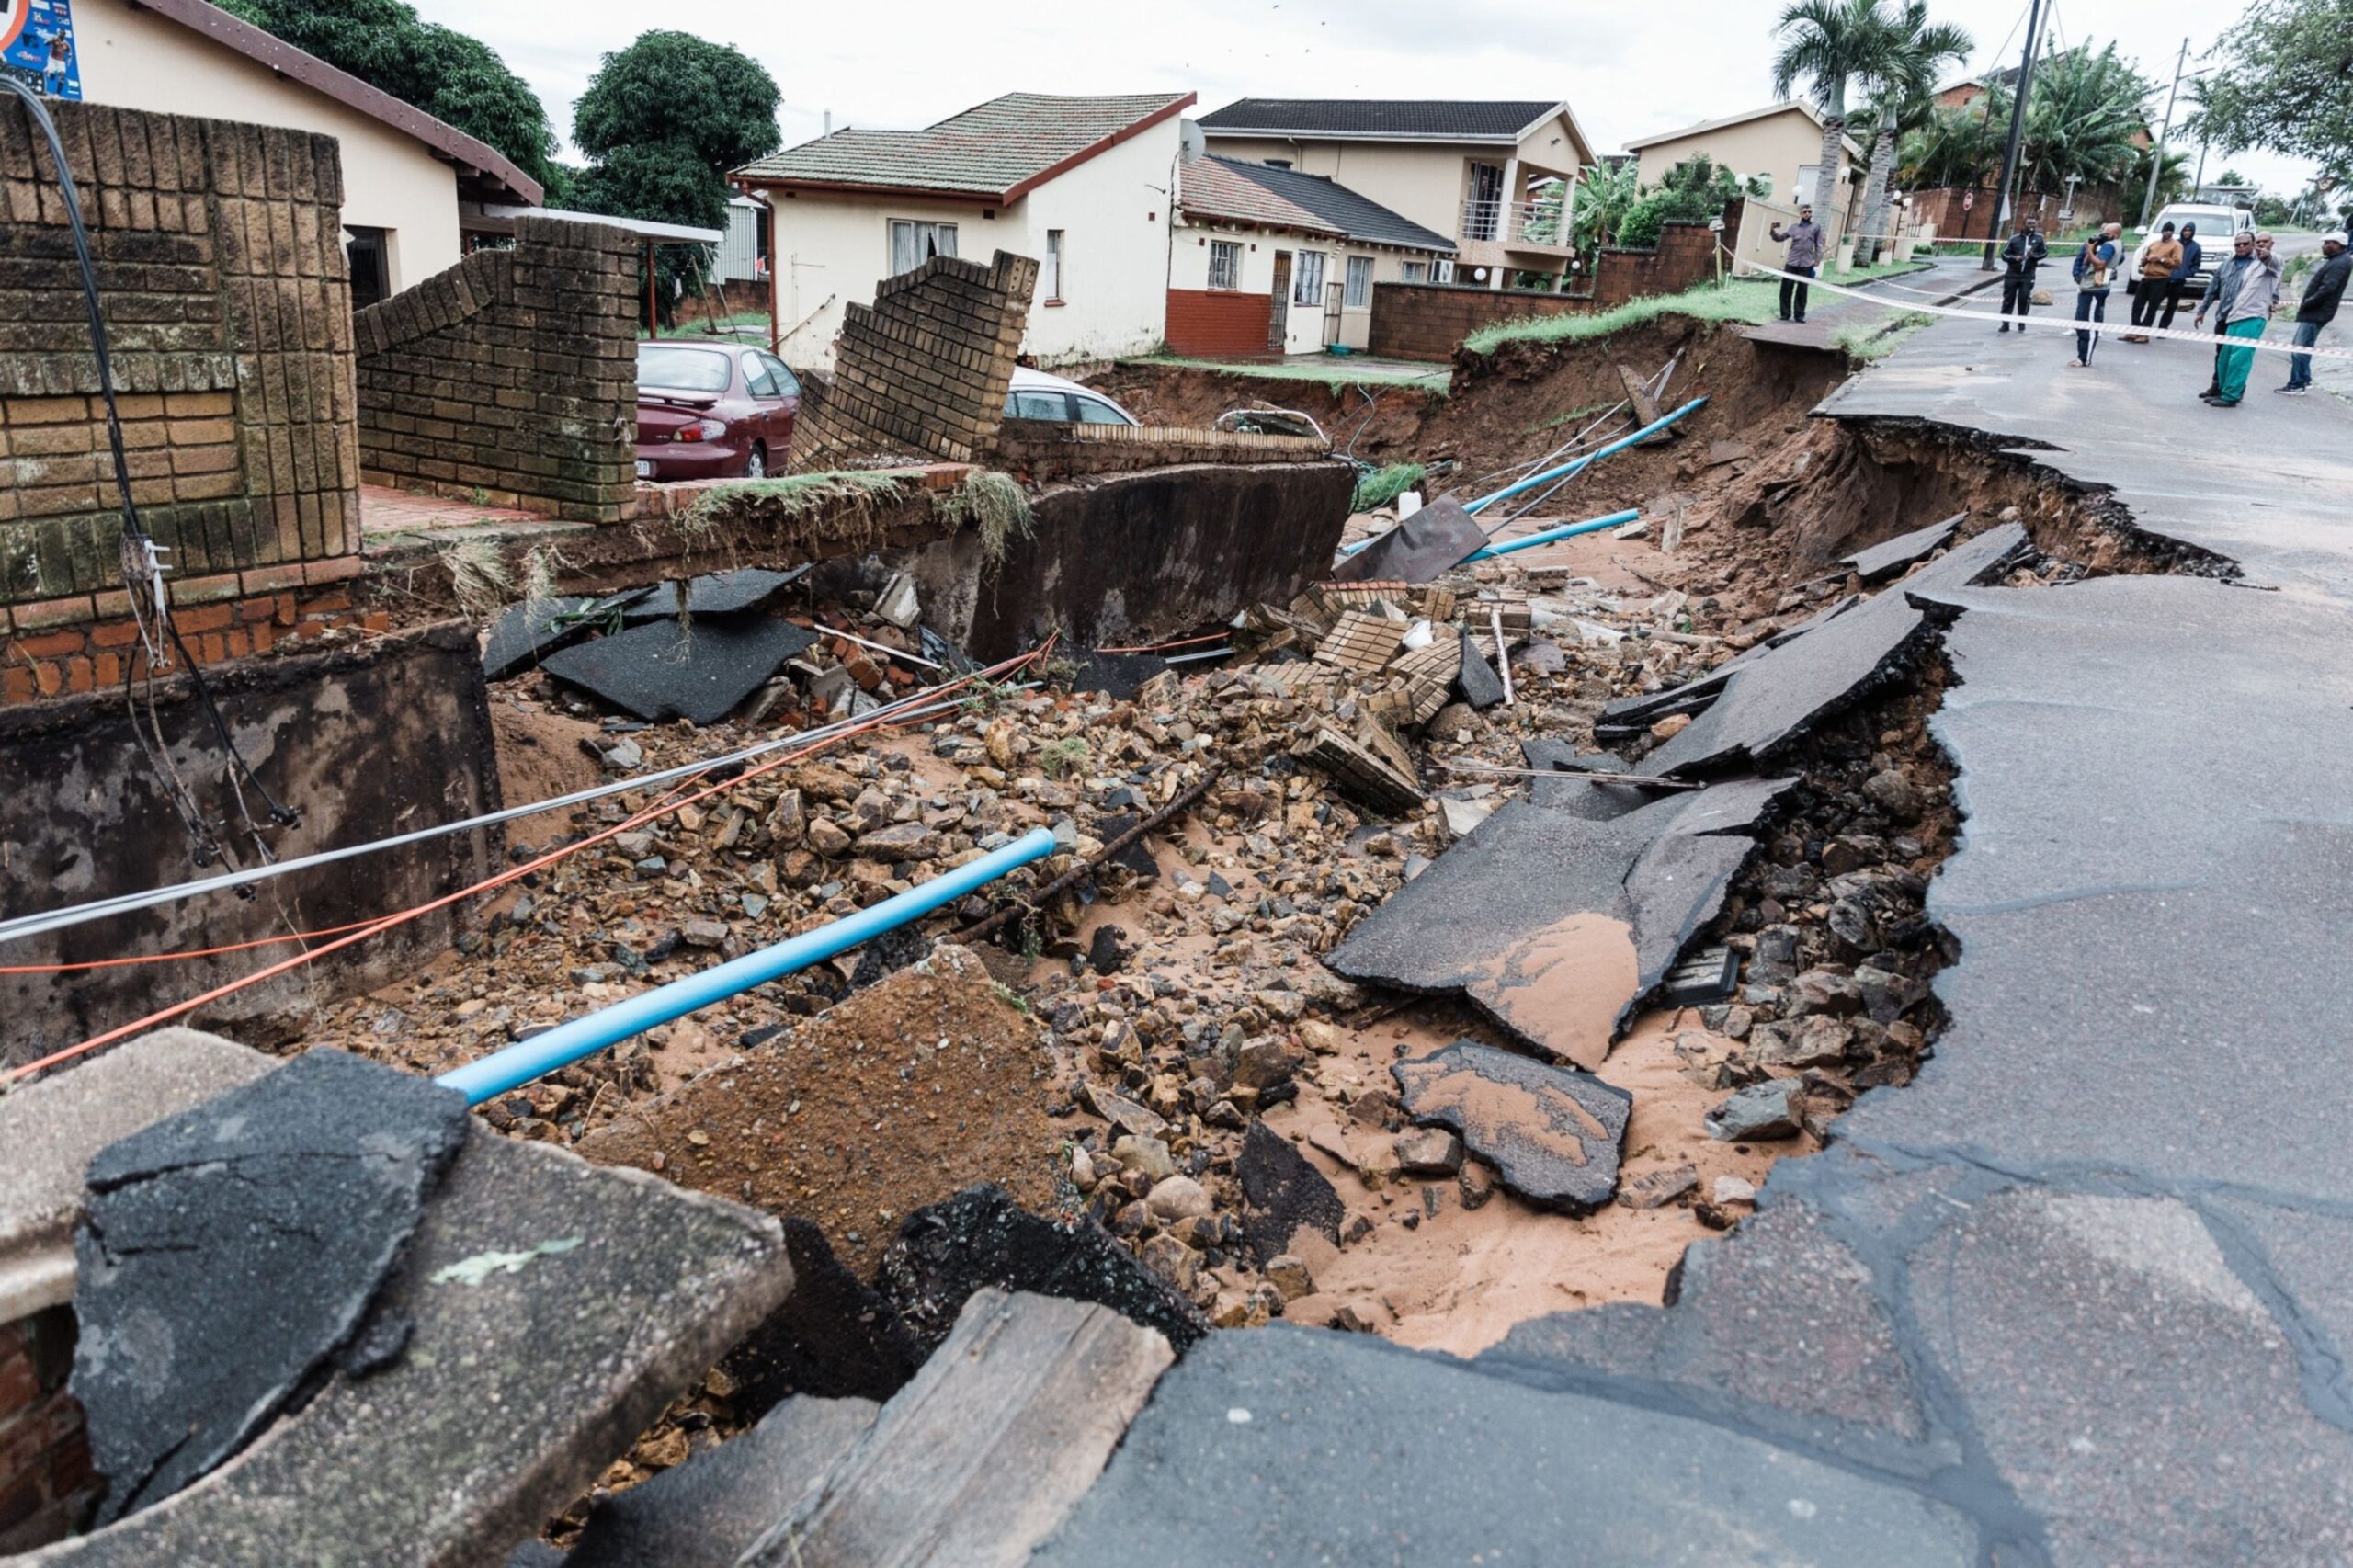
(2322, 292)
(2240, 294)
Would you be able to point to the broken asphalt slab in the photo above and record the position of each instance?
(557, 1309)
(737, 592)
(833, 1338)
(527, 632)
(228, 1251)
(1892, 558)
(1117, 676)
(698, 671)
(1282, 1192)
(1556, 925)
(1419, 549)
(1552, 1134)
(1284, 1446)
(1771, 701)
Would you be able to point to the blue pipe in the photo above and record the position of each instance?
(567, 1043)
(1580, 464)
(1566, 530)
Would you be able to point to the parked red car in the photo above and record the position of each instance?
(713, 412)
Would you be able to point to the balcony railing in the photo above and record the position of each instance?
(1522, 223)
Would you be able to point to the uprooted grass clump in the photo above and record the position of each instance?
(1383, 485)
(992, 505)
(857, 493)
(479, 576)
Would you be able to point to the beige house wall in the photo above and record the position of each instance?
(1776, 146)
(134, 59)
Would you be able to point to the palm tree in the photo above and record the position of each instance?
(1832, 44)
(1902, 90)
(1601, 201)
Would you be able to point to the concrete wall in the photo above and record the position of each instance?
(365, 741)
(514, 374)
(135, 59)
(1126, 559)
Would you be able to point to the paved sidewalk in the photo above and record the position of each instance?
(1943, 282)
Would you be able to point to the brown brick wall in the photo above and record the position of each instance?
(511, 378)
(924, 370)
(216, 619)
(45, 1474)
(1216, 323)
(1684, 257)
(223, 278)
(1038, 451)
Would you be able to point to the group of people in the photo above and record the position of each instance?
(2241, 295)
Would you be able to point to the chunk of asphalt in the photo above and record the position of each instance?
(718, 593)
(230, 1251)
(1890, 558)
(834, 1338)
(1281, 1192)
(1477, 681)
(707, 1512)
(1519, 915)
(1763, 1111)
(698, 672)
(1771, 701)
(1552, 1134)
(982, 1239)
(558, 1309)
(527, 632)
(1117, 676)
(1417, 551)
(881, 957)
(1286, 1445)
(1632, 715)
(1594, 802)
(1136, 857)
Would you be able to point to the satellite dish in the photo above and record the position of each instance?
(1190, 142)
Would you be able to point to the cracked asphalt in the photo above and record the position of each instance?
(2081, 1293)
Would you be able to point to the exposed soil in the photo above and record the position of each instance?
(540, 753)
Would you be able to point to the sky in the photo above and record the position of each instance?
(1626, 70)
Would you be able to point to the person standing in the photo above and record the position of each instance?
(2222, 291)
(1804, 240)
(2158, 258)
(2323, 292)
(2025, 251)
(2244, 318)
(2192, 254)
(2095, 271)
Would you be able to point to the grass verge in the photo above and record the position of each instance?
(1743, 301)
(1328, 373)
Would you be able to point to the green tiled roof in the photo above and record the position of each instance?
(994, 149)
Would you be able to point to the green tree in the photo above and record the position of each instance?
(2285, 83)
(1603, 198)
(1834, 46)
(1902, 95)
(664, 119)
(1691, 192)
(2082, 120)
(456, 79)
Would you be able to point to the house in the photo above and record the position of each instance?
(1081, 184)
(1780, 143)
(1494, 178)
(1272, 260)
(405, 173)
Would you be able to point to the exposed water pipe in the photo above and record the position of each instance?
(1580, 464)
(567, 1043)
(1547, 536)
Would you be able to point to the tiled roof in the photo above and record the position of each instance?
(1259, 193)
(998, 149)
(1441, 120)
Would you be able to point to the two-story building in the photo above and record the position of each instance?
(1494, 178)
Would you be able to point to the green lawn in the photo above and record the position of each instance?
(1745, 302)
(1333, 372)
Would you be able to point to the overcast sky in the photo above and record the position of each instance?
(1626, 70)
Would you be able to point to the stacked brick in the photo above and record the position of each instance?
(45, 1474)
(1430, 321)
(1218, 322)
(1038, 451)
(1685, 255)
(510, 378)
(922, 370)
(221, 275)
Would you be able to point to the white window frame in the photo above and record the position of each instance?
(1357, 291)
(1231, 250)
(1445, 272)
(1307, 278)
(924, 238)
(1413, 272)
(1052, 274)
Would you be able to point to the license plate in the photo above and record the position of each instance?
(645, 468)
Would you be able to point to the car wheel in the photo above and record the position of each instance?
(756, 465)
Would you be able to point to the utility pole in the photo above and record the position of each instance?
(2157, 153)
(2018, 128)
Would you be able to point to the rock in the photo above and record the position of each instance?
(1282, 1192)
(1815, 1042)
(1461, 815)
(1476, 1183)
(1149, 1155)
(828, 838)
(1429, 1151)
(1178, 1197)
(1262, 1064)
(1674, 724)
(1082, 1170)
(1775, 961)
(1893, 793)
(1108, 950)
(703, 934)
(1732, 1190)
(1123, 1112)
(1173, 1261)
(1761, 1111)
(1654, 1189)
(1551, 1132)
(1289, 1275)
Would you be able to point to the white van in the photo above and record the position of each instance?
(2216, 227)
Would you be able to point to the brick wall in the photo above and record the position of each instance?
(221, 272)
(45, 1474)
(1685, 255)
(1038, 451)
(511, 378)
(1218, 322)
(924, 370)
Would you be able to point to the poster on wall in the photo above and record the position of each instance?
(37, 46)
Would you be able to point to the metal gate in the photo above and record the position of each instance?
(1278, 310)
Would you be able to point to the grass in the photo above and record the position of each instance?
(1383, 485)
(1326, 373)
(1062, 758)
(997, 508)
(794, 494)
(1743, 301)
(1868, 340)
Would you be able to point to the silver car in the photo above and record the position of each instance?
(1037, 396)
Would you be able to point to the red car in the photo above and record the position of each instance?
(715, 412)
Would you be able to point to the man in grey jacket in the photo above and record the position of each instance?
(2323, 290)
(2243, 293)
(1804, 240)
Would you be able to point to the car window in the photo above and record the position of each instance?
(686, 370)
(787, 383)
(1095, 411)
(1038, 405)
(757, 377)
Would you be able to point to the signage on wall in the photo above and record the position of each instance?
(37, 46)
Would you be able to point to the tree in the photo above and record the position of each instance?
(454, 78)
(1603, 198)
(1833, 45)
(2285, 83)
(1902, 90)
(1692, 192)
(2083, 121)
(663, 121)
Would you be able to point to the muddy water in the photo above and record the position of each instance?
(1562, 986)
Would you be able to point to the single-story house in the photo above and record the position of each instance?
(1269, 260)
(1081, 184)
(405, 173)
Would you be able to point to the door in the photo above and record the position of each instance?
(1278, 306)
(1482, 219)
(1331, 313)
(788, 408)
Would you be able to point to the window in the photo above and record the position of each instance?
(1225, 264)
(1446, 272)
(1049, 279)
(1307, 278)
(1095, 411)
(1359, 293)
(683, 369)
(757, 379)
(787, 383)
(1051, 405)
(1279, 162)
(370, 278)
(1414, 271)
(913, 243)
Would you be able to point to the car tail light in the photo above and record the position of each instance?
(700, 430)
